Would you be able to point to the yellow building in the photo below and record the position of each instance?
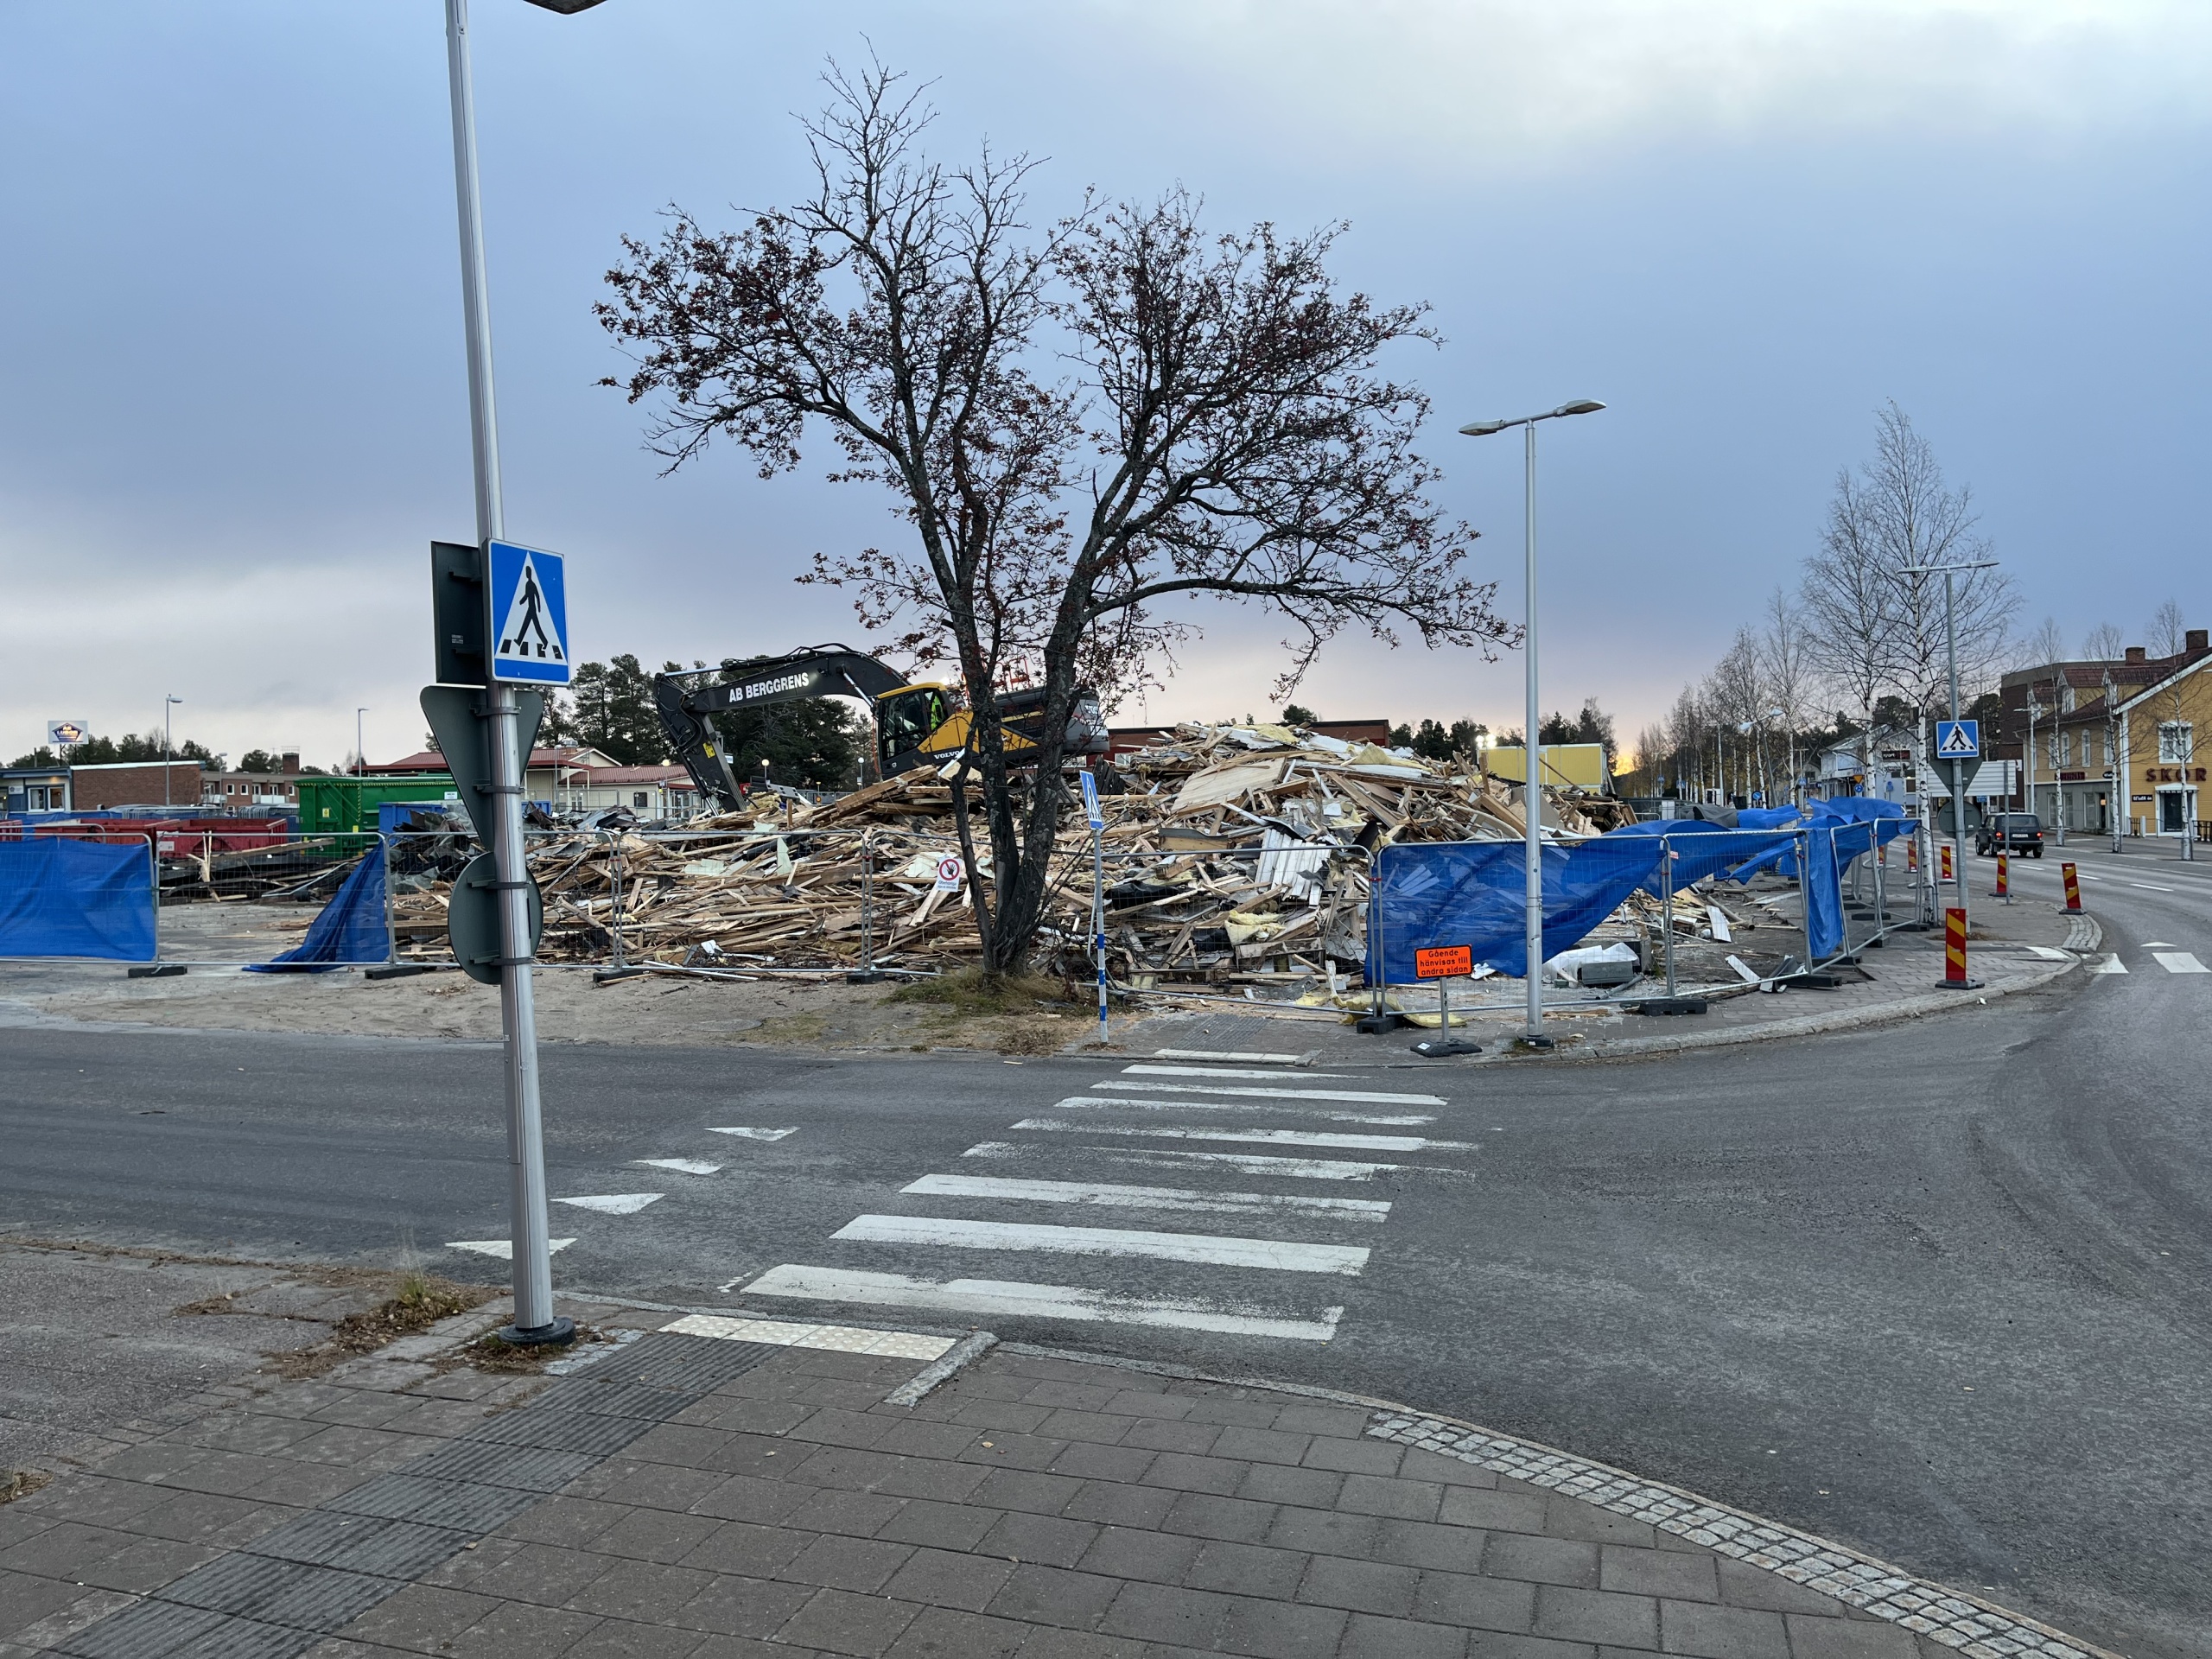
(2157, 731)
(1566, 765)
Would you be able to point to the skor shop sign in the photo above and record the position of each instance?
(2172, 775)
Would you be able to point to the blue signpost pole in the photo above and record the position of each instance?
(1097, 890)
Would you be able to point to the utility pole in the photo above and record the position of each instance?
(1950, 574)
(535, 1322)
(1532, 788)
(169, 751)
(2115, 772)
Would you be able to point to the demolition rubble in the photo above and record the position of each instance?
(1233, 856)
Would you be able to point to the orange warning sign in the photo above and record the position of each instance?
(1444, 961)
(2073, 887)
(1946, 850)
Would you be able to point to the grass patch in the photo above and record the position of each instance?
(418, 1300)
(490, 1353)
(969, 994)
(22, 1483)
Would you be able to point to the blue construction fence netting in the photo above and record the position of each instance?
(79, 899)
(1429, 894)
(67, 898)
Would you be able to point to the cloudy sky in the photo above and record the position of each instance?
(235, 412)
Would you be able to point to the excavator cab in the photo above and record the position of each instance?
(905, 720)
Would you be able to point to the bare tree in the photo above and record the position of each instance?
(1879, 629)
(2103, 642)
(1214, 423)
(2168, 634)
(1786, 661)
(2046, 645)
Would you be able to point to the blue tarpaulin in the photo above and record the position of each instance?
(1426, 894)
(62, 898)
(1701, 849)
(349, 929)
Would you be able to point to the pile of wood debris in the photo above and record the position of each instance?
(1235, 855)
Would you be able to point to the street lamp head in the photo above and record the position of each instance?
(566, 8)
(1485, 428)
(1580, 406)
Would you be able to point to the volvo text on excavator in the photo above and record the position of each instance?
(917, 722)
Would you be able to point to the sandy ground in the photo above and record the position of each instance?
(571, 1006)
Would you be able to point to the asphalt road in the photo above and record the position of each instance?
(1939, 1292)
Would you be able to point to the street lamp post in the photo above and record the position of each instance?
(1531, 753)
(1950, 574)
(535, 1322)
(169, 750)
(360, 755)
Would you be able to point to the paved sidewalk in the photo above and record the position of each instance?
(2018, 947)
(700, 1492)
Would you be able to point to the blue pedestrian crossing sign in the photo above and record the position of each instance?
(1090, 802)
(529, 601)
(1958, 739)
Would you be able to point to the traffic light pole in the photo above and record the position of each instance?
(534, 1321)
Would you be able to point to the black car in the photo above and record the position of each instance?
(2021, 832)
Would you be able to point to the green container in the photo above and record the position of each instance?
(331, 806)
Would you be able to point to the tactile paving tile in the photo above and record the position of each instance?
(599, 1398)
(273, 1591)
(452, 1504)
(696, 1365)
(157, 1630)
(562, 1431)
(524, 1468)
(362, 1543)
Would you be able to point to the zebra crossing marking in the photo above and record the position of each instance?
(502, 1248)
(1241, 1060)
(1280, 1255)
(1243, 1163)
(1254, 1137)
(681, 1166)
(1108, 1194)
(1115, 1102)
(615, 1204)
(1002, 1299)
(2109, 964)
(2179, 962)
(1142, 1070)
(1368, 1097)
(756, 1134)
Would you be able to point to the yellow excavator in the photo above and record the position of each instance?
(917, 722)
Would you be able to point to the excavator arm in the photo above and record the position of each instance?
(688, 699)
(921, 726)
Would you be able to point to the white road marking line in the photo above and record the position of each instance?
(1208, 1054)
(1256, 1137)
(1141, 1070)
(837, 1339)
(615, 1204)
(2108, 965)
(681, 1166)
(1368, 1095)
(2160, 944)
(2149, 887)
(1275, 1254)
(2179, 962)
(1243, 1163)
(1141, 1197)
(502, 1248)
(758, 1134)
(1079, 1101)
(1000, 1298)
(2049, 952)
